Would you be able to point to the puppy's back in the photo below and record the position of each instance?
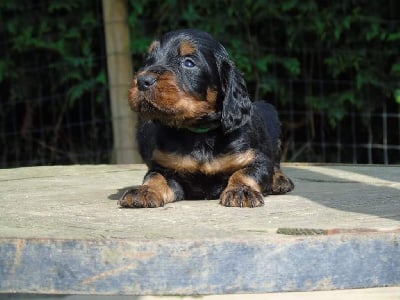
(270, 118)
(271, 122)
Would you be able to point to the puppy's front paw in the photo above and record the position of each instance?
(281, 184)
(141, 196)
(241, 196)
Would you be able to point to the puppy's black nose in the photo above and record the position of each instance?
(145, 81)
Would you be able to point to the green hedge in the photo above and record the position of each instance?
(50, 43)
(53, 86)
(352, 47)
(354, 44)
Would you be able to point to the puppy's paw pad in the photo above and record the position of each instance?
(241, 196)
(140, 197)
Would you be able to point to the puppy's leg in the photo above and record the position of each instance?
(281, 183)
(242, 191)
(154, 192)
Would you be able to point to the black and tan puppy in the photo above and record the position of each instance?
(199, 133)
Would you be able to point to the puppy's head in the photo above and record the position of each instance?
(189, 81)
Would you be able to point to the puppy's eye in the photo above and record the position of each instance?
(188, 63)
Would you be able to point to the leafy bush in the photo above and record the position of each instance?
(50, 71)
(51, 36)
(352, 44)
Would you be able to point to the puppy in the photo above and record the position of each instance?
(199, 133)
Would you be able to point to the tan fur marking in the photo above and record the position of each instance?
(227, 163)
(187, 48)
(168, 97)
(159, 184)
(239, 178)
(133, 95)
(242, 191)
(173, 105)
(212, 96)
(153, 46)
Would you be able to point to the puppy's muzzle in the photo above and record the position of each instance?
(146, 81)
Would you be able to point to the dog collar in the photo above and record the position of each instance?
(203, 129)
(206, 124)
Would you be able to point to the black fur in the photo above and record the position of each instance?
(236, 106)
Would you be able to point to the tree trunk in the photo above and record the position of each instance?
(119, 66)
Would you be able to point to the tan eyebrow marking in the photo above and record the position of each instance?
(153, 46)
(187, 48)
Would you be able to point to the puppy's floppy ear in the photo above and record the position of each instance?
(236, 105)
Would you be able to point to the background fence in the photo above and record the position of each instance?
(332, 69)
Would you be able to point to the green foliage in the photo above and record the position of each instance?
(53, 41)
(353, 45)
(52, 78)
(331, 57)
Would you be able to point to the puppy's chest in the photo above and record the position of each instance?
(204, 161)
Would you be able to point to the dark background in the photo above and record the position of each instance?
(331, 67)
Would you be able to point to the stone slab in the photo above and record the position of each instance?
(62, 232)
